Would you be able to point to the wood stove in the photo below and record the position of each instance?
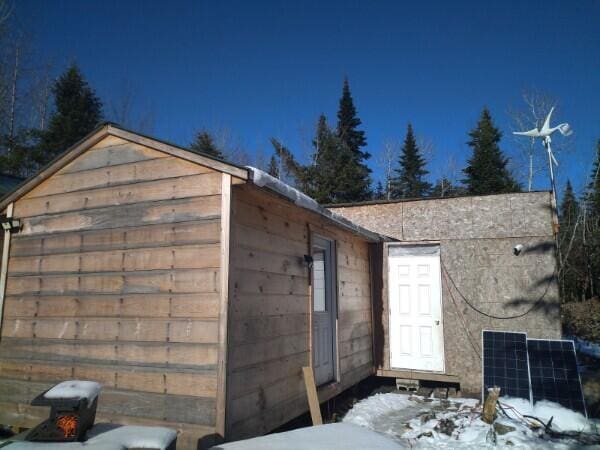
(72, 411)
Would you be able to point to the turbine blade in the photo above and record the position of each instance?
(546, 126)
(565, 129)
(531, 133)
(553, 159)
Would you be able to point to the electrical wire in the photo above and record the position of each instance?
(516, 316)
(470, 337)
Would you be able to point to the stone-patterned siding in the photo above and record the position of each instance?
(477, 236)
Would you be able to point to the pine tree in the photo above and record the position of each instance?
(77, 112)
(569, 207)
(593, 189)
(19, 161)
(486, 172)
(205, 144)
(325, 175)
(353, 139)
(348, 123)
(300, 175)
(592, 229)
(409, 181)
(273, 168)
(331, 175)
(573, 267)
(379, 193)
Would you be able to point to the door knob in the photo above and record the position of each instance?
(437, 322)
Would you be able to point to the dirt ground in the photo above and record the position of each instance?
(582, 319)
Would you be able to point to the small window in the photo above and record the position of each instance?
(318, 271)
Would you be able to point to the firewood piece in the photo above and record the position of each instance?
(489, 407)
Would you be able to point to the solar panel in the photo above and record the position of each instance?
(554, 373)
(505, 363)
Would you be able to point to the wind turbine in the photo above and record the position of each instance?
(544, 133)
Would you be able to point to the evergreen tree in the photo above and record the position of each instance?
(348, 123)
(326, 175)
(487, 172)
(77, 112)
(569, 207)
(573, 267)
(379, 193)
(273, 168)
(19, 161)
(593, 189)
(300, 175)
(353, 139)
(592, 229)
(331, 176)
(409, 181)
(205, 144)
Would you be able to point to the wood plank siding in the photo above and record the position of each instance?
(269, 306)
(115, 277)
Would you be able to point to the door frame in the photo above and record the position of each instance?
(321, 241)
(387, 287)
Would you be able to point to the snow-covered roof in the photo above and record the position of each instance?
(74, 389)
(333, 436)
(262, 179)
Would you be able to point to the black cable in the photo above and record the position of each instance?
(535, 304)
(462, 322)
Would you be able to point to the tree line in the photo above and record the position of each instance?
(579, 238)
(40, 118)
(337, 171)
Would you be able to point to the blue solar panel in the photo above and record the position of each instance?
(505, 363)
(554, 373)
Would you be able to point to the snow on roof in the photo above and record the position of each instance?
(334, 436)
(262, 179)
(75, 389)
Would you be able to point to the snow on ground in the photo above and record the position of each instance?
(563, 419)
(586, 347)
(417, 422)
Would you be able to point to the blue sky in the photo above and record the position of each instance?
(262, 69)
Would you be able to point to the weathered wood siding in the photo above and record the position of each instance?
(115, 278)
(476, 236)
(269, 323)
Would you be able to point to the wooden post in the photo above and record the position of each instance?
(311, 393)
(4, 266)
(221, 400)
(310, 298)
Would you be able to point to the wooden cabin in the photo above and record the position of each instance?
(451, 272)
(192, 289)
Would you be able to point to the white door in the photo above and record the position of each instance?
(415, 301)
(323, 322)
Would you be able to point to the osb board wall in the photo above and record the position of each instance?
(269, 306)
(477, 236)
(114, 278)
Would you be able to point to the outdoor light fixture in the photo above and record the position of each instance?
(11, 224)
(517, 249)
(308, 259)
